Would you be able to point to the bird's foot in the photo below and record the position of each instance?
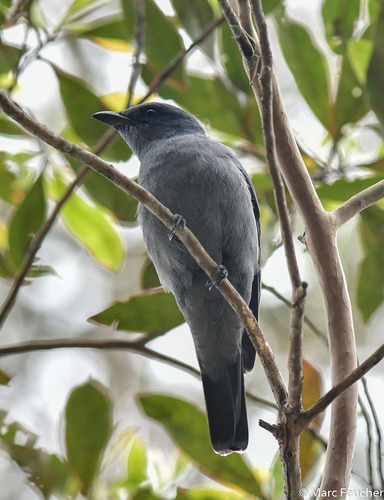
(178, 222)
(218, 281)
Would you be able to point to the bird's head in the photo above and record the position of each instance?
(144, 124)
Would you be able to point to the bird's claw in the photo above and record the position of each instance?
(178, 222)
(219, 280)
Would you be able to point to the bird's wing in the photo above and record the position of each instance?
(248, 349)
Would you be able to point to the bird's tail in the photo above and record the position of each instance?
(226, 409)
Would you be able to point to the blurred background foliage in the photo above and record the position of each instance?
(80, 423)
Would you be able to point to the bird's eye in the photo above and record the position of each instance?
(151, 112)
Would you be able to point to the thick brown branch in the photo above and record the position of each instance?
(165, 215)
(321, 239)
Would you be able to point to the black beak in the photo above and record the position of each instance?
(111, 118)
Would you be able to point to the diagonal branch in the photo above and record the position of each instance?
(100, 147)
(357, 203)
(165, 215)
(321, 404)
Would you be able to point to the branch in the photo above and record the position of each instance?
(266, 109)
(321, 404)
(245, 42)
(369, 437)
(100, 147)
(357, 203)
(138, 346)
(295, 356)
(165, 215)
(289, 304)
(14, 12)
(161, 77)
(376, 421)
(321, 239)
(288, 442)
(140, 40)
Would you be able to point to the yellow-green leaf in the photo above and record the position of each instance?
(88, 426)
(93, 226)
(26, 220)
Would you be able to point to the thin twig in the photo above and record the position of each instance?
(165, 215)
(289, 304)
(14, 12)
(138, 346)
(357, 203)
(379, 454)
(369, 436)
(295, 363)
(140, 39)
(163, 75)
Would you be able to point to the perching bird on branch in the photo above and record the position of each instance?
(203, 182)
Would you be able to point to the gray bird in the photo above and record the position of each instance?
(205, 183)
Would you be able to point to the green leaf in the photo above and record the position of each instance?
(80, 103)
(48, 473)
(8, 127)
(4, 7)
(343, 189)
(370, 289)
(277, 479)
(137, 463)
(203, 97)
(188, 427)
(375, 76)
(360, 53)
(4, 378)
(270, 5)
(149, 278)
(153, 313)
(10, 57)
(350, 104)
(160, 54)
(26, 221)
(232, 60)
(110, 28)
(340, 17)
(195, 17)
(80, 8)
(93, 226)
(103, 191)
(307, 64)
(201, 493)
(37, 16)
(88, 427)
